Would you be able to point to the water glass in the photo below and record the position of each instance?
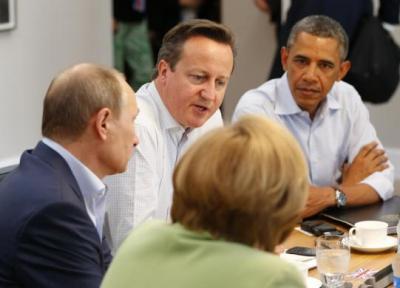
(333, 259)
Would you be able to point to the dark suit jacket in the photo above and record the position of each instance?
(46, 236)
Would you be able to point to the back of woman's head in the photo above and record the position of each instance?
(245, 183)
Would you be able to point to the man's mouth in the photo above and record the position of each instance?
(201, 108)
(306, 90)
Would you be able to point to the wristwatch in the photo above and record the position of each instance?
(341, 198)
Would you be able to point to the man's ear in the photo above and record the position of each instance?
(284, 57)
(163, 68)
(103, 120)
(343, 69)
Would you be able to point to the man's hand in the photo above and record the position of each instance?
(319, 198)
(370, 159)
(262, 5)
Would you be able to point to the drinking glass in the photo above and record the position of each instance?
(333, 259)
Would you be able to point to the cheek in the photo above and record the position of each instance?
(219, 98)
(129, 136)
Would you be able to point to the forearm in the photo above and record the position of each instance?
(360, 194)
(321, 198)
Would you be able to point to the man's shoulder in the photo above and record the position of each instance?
(148, 112)
(259, 100)
(346, 95)
(35, 183)
(264, 93)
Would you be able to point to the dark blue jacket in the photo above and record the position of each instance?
(46, 236)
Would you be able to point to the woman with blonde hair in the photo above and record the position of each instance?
(238, 192)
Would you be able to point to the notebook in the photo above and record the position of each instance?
(387, 211)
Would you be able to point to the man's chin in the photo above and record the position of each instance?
(197, 122)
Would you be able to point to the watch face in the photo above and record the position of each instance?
(340, 198)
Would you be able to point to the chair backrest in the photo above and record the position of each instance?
(5, 171)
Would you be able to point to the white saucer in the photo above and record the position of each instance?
(313, 282)
(389, 242)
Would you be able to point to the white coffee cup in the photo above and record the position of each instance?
(368, 233)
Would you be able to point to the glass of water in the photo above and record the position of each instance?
(333, 259)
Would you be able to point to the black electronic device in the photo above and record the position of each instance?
(318, 227)
(300, 250)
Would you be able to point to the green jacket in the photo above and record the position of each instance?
(159, 255)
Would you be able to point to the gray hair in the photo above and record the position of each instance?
(321, 26)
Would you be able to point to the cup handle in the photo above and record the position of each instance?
(352, 235)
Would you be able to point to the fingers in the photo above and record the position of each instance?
(380, 163)
(373, 154)
(366, 149)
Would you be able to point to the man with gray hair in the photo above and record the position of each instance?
(347, 163)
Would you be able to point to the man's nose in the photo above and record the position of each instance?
(208, 92)
(311, 72)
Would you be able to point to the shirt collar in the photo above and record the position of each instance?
(167, 122)
(286, 105)
(90, 185)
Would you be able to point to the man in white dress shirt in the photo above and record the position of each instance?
(347, 163)
(193, 68)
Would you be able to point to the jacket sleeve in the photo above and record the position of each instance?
(59, 247)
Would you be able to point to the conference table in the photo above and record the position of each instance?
(370, 261)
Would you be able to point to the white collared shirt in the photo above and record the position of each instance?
(92, 188)
(144, 191)
(335, 135)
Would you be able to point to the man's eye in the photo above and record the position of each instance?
(300, 61)
(197, 78)
(220, 83)
(325, 66)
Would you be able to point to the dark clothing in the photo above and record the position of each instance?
(123, 12)
(347, 13)
(165, 14)
(47, 238)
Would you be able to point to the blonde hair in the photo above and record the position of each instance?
(245, 183)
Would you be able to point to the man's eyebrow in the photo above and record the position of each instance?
(327, 62)
(299, 56)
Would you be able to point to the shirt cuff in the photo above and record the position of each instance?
(381, 184)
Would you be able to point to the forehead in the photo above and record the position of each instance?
(309, 45)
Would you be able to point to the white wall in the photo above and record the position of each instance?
(256, 44)
(50, 36)
(255, 41)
